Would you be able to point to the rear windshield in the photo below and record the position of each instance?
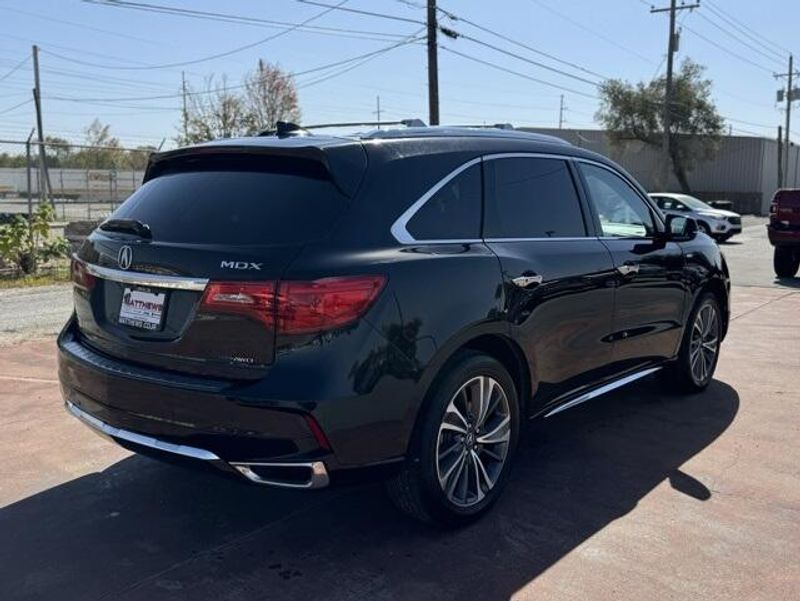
(239, 206)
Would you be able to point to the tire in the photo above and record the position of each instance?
(786, 261)
(694, 368)
(431, 486)
(704, 227)
(723, 238)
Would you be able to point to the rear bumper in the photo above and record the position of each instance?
(783, 237)
(311, 474)
(223, 424)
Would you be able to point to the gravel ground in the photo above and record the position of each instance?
(38, 312)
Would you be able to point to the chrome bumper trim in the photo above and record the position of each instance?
(146, 441)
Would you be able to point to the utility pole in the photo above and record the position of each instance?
(780, 157)
(185, 111)
(561, 113)
(37, 99)
(790, 97)
(30, 183)
(667, 115)
(378, 109)
(433, 66)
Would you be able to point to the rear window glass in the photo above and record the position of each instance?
(454, 212)
(244, 207)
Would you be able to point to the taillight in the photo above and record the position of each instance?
(80, 275)
(773, 208)
(251, 299)
(296, 307)
(306, 307)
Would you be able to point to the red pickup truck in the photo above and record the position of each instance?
(784, 231)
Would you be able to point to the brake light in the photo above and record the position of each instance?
(306, 307)
(296, 307)
(251, 299)
(80, 275)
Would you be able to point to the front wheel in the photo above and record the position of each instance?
(786, 261)
(461, 452)
(699, 352)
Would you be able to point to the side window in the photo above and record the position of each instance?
(453, 212)
(531, 198)
(621, 211)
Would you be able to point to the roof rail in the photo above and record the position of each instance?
(485, 126)
(286, 128)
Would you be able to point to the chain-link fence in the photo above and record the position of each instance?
(81, 182)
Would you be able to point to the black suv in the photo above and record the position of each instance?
(299, 310)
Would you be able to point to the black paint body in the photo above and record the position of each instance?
(365, 383)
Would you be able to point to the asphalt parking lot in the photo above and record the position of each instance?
(640, 494)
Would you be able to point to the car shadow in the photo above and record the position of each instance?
(788, 282)
(143, 530)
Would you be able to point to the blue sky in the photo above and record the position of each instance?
(89, 49)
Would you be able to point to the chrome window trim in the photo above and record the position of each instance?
(399, 227)
(136, 278)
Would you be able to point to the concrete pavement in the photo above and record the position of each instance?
(639, 494)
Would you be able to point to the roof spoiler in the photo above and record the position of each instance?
(345, 164)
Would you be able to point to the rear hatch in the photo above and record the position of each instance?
(785, 210)
(183, 275)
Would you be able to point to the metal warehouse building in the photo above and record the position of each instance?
(744, 171)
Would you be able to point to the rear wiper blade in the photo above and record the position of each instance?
(127, 226)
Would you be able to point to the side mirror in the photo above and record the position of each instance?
(680, 227)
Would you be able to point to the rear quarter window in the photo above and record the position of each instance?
(453, 212)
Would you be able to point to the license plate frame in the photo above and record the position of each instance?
(142, 309)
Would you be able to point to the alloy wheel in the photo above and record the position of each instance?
(473, 441)
(704, 343)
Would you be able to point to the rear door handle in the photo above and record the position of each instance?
(628, 268)
(524, 281)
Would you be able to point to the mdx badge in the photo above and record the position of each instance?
(125, 257)
(240, 265)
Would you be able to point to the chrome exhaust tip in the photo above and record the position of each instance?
(308, 475)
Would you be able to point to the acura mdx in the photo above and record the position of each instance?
(302, 310)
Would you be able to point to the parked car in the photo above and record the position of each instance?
(783, 230)
(717, 223)
(304, 310)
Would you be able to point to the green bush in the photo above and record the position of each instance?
(24, 244)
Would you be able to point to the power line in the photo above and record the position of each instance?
(363, 12)
(245, 20)
(744, 29)
(205, 58)
(240, 86)
(15, 68)
(527, 60)
(728, 50)
(593, 32)
(455, 17)
(517, 73)
(16, 106)
(739, 39)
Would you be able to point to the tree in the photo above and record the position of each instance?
(109, 155)
(631, 112)
(216, 111)
(58, 151)
(270, 96)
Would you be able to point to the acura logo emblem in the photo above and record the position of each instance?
(125, 257)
